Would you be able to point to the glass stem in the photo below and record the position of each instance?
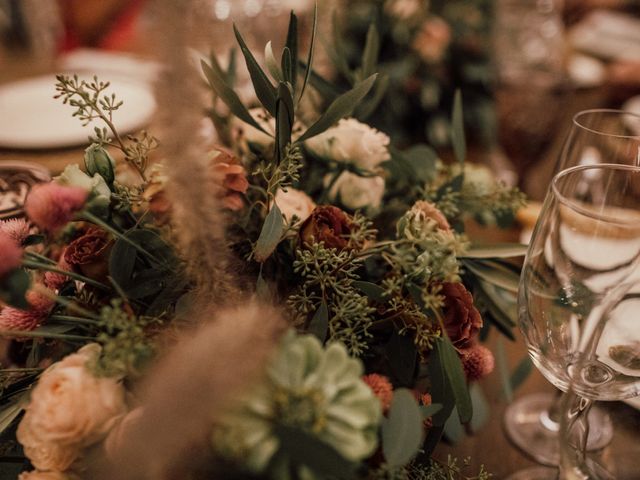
(550, 418)
(574, 431)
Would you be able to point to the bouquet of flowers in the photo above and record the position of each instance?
(425, 51)
(116, 362)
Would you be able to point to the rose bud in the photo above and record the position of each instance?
(89, 253)
(97, 160)
(461, 318)
(329, 225)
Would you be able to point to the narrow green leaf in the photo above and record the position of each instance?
(232, 67)
(14, 288)
(366, 109)
(229, 97)
(286, 64)
(262, 288)
(312, 46)
(33, 239)
(521, 373)
(341, 107)
(335, 53)
(503, 370)
(457, 129)
(495, 250)
(481, 408)
(292, 45)
(371, 290)
(402, 431)
(265, 91)
(453, 429)
(431, 442)
(430, 410)
(494, 274)
(456, 378)
(302, 448)
(270, 234)
(440, 389)
(272, 64)
(319, 324)
(496, 308)
(371, 52)
(284, 119)
(12, 409)
(324, 87)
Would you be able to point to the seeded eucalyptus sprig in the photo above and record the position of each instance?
(92, 103)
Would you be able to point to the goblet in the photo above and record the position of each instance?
(532, 422)
(586, 243)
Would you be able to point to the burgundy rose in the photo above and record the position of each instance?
(327, 224)
(89, 253)
(461, 318)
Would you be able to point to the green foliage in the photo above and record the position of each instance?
(402, 430)
(13, 288)
(453, 469)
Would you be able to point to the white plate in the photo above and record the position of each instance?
(31, 118)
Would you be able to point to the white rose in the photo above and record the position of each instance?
(294, 202)
(37, 475)
(351, 141)
(252, 135)
(74, 177)
(70, 406)
(356, 192)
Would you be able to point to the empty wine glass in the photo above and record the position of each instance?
(586, 243)
(532, 422)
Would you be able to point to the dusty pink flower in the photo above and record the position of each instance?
(54, 280)
(432, 40)
(477, 361)
(16, 228)
(51, 206)
(231, 175)
(10, 254)
(12, 318)
(381, 388)
(429, 210)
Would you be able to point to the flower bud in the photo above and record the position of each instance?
(97, 160)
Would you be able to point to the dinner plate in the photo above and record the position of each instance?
(30, 118)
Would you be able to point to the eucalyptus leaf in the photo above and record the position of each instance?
(272, 64)
(319, 324)
(495, 250)
(371, 52)
(371, 290)
(453, 429)
(503, 370)
(292, 45)
(270, 235)
(441, 393)
(265, 91)
(303, 448)
(481, 408)
(455, 377)
(430, 410)
(341, 107)
(402, 430)
(494, 274)
(457, 129)
(229, 97)
(521, 372)
(312, 46)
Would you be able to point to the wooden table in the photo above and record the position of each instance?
(489, 446)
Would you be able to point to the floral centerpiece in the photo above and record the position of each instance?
(116, 364)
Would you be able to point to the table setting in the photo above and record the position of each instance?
(242, 263)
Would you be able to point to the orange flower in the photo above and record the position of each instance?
(381, 387)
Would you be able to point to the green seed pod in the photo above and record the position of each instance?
(97, 160)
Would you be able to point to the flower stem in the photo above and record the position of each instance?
(332, 182)
(74, 275)
(64, 302)
(70, 318)
(57, 336)
(41, 258)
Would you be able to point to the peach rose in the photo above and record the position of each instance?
(45, 455)
(37, 475)
(70, 406)
(294, 202)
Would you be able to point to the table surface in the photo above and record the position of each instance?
(489, 446)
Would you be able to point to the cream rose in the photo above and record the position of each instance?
(45, 455)
(351, 141)
(72, 176)
(356, 192)
(70, 406)
(37, 475)
(294, 202)
(403, 9)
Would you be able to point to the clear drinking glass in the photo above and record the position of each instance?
(532, 422)
(585, 245)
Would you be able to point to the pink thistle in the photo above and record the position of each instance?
(54, 280)
(477, 361)
(16, 228)
(51, 206)
(10, 254)
(381, 387)
(26, 320)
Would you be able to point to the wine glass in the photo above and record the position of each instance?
(614, 342)
(585, 244)
(532, 422)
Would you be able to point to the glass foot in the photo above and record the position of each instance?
(531, 430)
(535, 473)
